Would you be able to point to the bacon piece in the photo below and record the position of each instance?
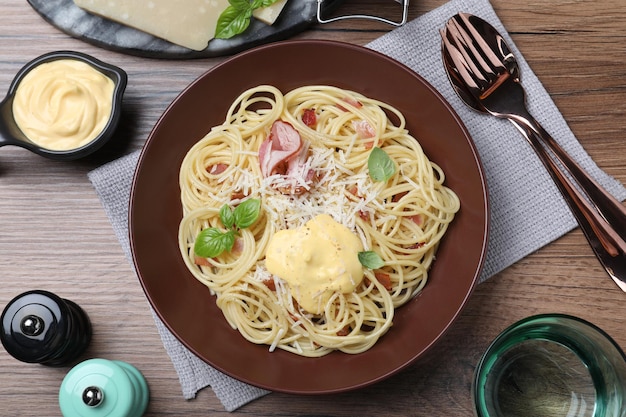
(238, 195)
(350, 100)
(201, 261)
(298, 171)
(354, 190)
(344, 332)
(270, 283)
(282, 144)
(296, 319)
(364, 129)
(309, 117)
(284, 153)
(296, 164)
(237, 248)
(384, 279)
(398, 197)
(416, 245)
(418, 219)
(216, 169)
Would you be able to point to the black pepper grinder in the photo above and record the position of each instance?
(40, 327)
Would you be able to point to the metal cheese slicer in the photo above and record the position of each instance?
(402, 21)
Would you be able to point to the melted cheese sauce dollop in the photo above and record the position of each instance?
(316, 261)
(63, 104)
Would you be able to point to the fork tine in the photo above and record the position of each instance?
(482, 44)
(460, 43)
(460, 61)
(477, 65)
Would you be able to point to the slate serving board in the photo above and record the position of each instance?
(69, 18)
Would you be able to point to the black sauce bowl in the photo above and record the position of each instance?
(10, 133)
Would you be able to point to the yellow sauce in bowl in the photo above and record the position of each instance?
(63, 104)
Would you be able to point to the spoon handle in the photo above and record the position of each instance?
(606, 242)
(612, 210)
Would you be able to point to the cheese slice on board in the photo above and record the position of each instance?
(269, 14)
(189, 23)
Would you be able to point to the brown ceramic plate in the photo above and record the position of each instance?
(185, 305)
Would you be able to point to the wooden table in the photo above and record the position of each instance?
(54, 233)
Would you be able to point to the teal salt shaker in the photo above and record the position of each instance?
(103, 388)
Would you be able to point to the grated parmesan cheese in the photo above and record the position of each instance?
(276, 340)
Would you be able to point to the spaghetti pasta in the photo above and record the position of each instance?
(402, 218)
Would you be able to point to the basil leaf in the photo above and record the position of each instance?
(381, 166)
(240, 4)
(247, 213)
(233, 21)
(262, 3)
(211, 242)
(371, 260)
(227, 217)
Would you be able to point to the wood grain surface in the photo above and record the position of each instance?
(54, 233)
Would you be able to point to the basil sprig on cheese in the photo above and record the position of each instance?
(236, 18)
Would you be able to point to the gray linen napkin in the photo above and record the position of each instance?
(527, 211)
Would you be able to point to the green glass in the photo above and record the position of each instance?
(551, 365)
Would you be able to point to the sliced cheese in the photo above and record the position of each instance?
(189, 23)
(269, 14)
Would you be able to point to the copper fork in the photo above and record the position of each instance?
(486, 76)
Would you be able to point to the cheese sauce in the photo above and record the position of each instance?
(63, 104)
(316, 261)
